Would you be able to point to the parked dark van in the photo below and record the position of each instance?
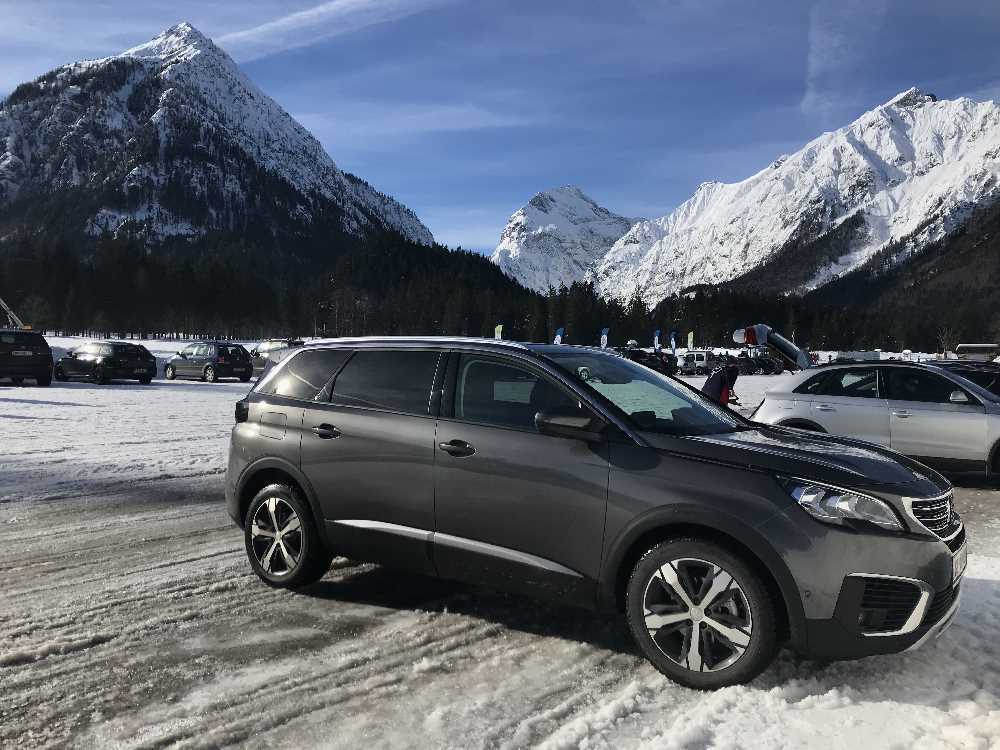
(210, 361)
(25, 355)
(577, 475)
(104, 361)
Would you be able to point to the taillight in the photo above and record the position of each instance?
(242, 411)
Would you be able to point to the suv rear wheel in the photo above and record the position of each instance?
(210, 374)
(282, 543)
(701, 615)
(169, 373)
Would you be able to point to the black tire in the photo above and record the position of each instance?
(210, 375)
(44, 381)
(312, 561)
(17, 382)
(744, 609)
(244, 378)
(60, 375)
(169, 373)
(100, 376)
(145, 381)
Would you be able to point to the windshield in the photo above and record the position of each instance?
(988, 380)
(652, 401)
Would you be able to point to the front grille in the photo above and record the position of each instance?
(936, 514)
(887, 604)
(956, 542)
(940, 605)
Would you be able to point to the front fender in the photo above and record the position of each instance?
(689, 518)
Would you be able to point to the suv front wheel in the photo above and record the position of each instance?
(282, 543)
(701, 615)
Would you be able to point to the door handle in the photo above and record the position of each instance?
(326, 431)
(825, 407)
(902, 413)
(457, 448)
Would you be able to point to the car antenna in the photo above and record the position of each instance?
(12, 320)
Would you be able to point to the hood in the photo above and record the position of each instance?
(820, 457)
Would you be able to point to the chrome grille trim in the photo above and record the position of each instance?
(935, 514)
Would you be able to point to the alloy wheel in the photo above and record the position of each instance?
(276, 537)
(697, 615)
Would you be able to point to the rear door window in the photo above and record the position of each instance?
(126, 351)
(398, 380)
(307, 375)
(854, 382)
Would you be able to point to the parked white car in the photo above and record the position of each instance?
(943, 414)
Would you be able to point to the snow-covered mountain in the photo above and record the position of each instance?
(556, 238)
(877, 191)
(171, 138)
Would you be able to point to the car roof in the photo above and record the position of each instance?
(431, 341)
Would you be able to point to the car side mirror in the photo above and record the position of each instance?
(958, 397)
(574, 423)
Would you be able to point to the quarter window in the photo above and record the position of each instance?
(306, 376)
(397, 380)
(503, 394)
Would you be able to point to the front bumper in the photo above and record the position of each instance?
(843, 616)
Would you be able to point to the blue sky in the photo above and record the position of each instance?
(464, 110)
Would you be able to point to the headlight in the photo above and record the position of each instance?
(840, 506)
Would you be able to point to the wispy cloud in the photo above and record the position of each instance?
(311, 25)
(360, 123)
(841, 34)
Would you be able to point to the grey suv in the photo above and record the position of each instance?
(576, 475)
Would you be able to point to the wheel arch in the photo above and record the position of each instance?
(993, 463)
(272, 470)
(730, 533)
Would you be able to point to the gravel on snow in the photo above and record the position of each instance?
(130, 619)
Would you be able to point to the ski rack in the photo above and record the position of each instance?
(12, 320)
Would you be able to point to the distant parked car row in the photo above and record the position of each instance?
(26, 355)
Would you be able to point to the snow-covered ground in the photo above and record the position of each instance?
(130, 619)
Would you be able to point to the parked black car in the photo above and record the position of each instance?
(272, 349)
(663, 361)
(577, 475)
(104, 361)
(25, 354)
(210, 360)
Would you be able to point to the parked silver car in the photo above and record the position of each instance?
(932, 412)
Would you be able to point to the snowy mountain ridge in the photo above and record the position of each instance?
(556, 238)
(903, 175)
(177, 108)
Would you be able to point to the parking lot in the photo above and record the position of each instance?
(131, 619)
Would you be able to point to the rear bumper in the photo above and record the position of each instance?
(27, 370)
(234, 371)
(130, 373)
